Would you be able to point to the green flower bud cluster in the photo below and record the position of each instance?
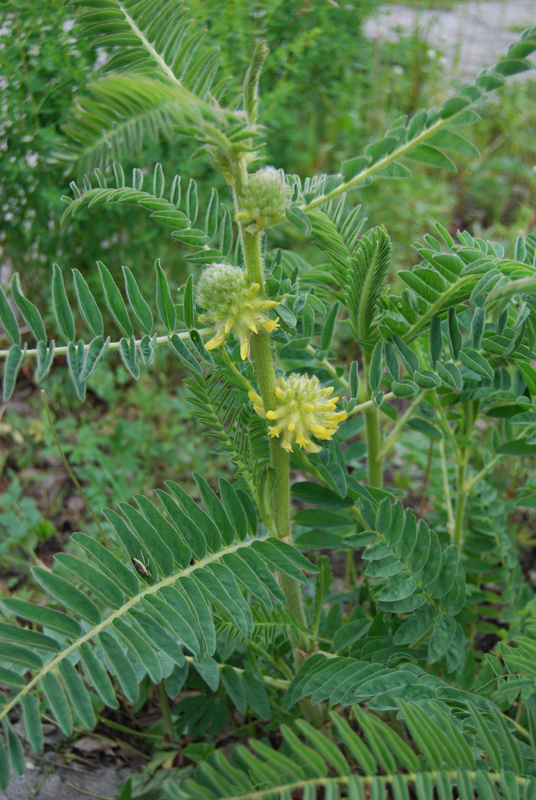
(232, 305)
(265, 199)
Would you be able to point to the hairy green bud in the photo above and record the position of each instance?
(265, 198)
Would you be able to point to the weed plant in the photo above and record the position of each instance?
(388, 425)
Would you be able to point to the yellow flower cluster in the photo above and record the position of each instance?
(233, 306)
(306, 410)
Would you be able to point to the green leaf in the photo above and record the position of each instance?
(328, 328)
(375, 370)
(29, 312)
(97, 675)
(517, 447)
(353, 167)
(415, 626)
(158, 636)
(45, 358)
(447, 571)
(455, 336)
(103, 586)
(208, 669)
(137, 303)
(329, 752)
(315, 493)
(369, 267)
(68, 595)
(62, 309)
(432, 157)
(164, 303)
(128, 351)
(16, 752)
(58, 702)
(114, 301)
(14, 361)
(394, 170)
(9, 677)
(350, 633)
(448, 140)
(215, 509)
(324, 519)
(189, 306)
(442, 635)
(250, 88)
(47, 617)
(76, 362)
(88, 307)
(486, 739)
(453, 106)
(297, 217)
(475, 362)
(183, 353)
(148, 536)
(398, 588)
(21, 655)
(8, 321)
(234, 509)
(121, 665)
(32, 722)
(141, 648)
(477, 326)
(78, 694)
(211, 217)
(450, 374)
(95, 354)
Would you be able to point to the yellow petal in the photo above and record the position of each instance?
(215, 342)
(244, 349)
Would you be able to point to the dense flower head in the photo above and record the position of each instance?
(232, 306)
(306, 410)
(265, 198)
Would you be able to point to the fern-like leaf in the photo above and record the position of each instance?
(375, 761)
(136, 613)
(124, 110)
(149, 36)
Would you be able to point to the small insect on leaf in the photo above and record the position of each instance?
(140, 567)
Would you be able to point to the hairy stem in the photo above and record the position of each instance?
(461, 500)
(374, 457)
(446, 488)
(261, 350)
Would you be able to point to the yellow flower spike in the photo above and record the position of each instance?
(232, 306)
(304, 412)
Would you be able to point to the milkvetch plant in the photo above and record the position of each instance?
(308, 375)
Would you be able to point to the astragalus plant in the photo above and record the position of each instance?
(308, 376)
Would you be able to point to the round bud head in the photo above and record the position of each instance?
(306, 410)
(233, 306)
(265, 198)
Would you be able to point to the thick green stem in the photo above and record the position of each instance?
(461, 500)
(374, 458)
(371, 415)
(261, 350)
